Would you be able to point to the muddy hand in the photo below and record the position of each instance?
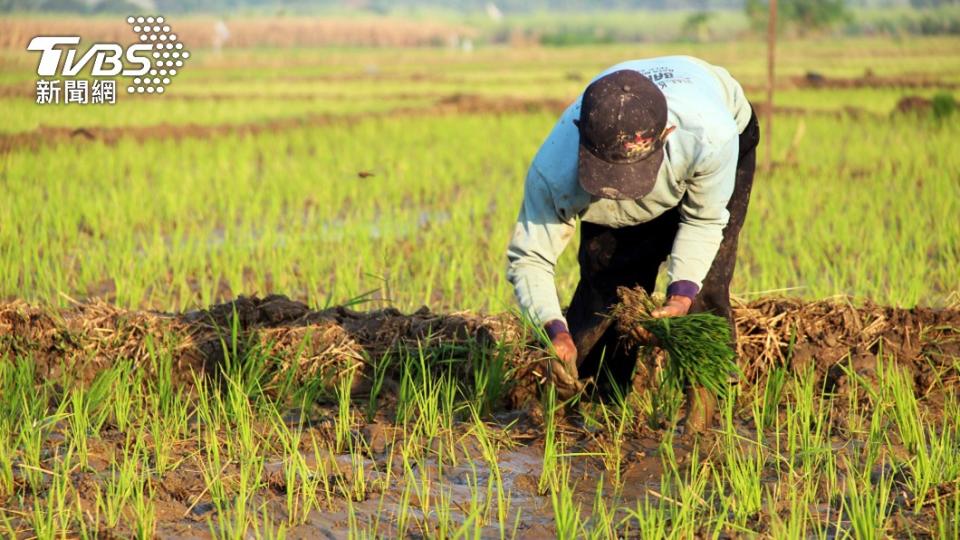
(563, 366)
(676, 306)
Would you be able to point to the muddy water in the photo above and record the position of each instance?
(518, 465)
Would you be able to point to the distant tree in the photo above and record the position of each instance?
(803, 14)
(116, 6)
(64, 6)
(695, 26)
(933, 3)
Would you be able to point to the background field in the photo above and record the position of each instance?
(244, 177)
(310, 164)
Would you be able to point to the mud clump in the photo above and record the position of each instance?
(917, 105)
(833, 336)
(296, 341)
(826, 335)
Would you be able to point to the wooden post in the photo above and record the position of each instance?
(771, 49)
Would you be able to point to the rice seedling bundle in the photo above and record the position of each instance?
(698, 345)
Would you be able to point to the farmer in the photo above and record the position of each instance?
(655, 159)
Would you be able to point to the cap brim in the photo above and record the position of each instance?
(620, 181)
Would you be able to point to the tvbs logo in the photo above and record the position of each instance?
(150, 65)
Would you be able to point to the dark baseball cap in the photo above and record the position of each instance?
(623, 118)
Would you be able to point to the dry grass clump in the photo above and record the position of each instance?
(823, 333)
(304, 344)
(697, 345)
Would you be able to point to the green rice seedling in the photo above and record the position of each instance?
(374, 524)
(928, 450)
(443, 510)
(426, 401)
(807, 423)
(550, 450)
(649, 518)
(566, 512)
(87, 524)
(162, 436)
(402, 515)
(934, 464)
(946, 510)
(683, 490)
(123, 398)
(43, 519)
(857, 421)
(422, 483)
(898, 390)
(301, 486)
(244, 361)
(491, 375)
(35, 425)
(143, 509)
(876, 430)
(79, 424)
(237, 520)
(867, 505)
(266, 527)
(243, 449)
(380, 368)
(773, 387)
(449, 409)
(473, 514)
(615, 427)
(212, 467)
(162, 387)
(243, 442)
(52, 513)
(343, 427)
(358, 482)
(697, 345)
(319, 475)
(406, 391)
(490, 451)
(950, 438)
(295, 479)
(96, 398)
(207, 406)
(6, 523)
(7, 454)
(796, 526)
(743, 462)
(601, 522)
(353, 525)
(661, 405)
(118, 488)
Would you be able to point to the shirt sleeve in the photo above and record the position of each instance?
(703, 215)
(539, 238)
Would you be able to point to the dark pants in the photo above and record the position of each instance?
(630, 256)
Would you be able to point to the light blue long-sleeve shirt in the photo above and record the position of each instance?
(709, 110)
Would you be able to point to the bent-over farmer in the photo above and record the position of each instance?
(656, 159)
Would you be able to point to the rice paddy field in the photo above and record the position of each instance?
(271, 303)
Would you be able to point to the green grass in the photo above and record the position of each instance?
(225, 218)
